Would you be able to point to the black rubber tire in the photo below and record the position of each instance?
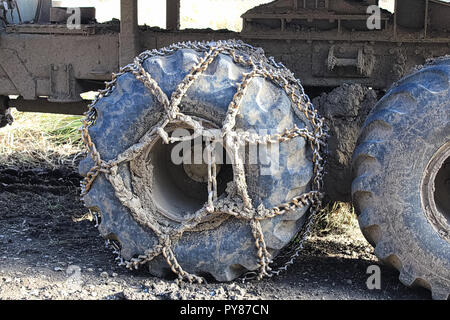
(396, 143)
(130, 111)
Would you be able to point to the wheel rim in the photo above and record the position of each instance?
(180, 189)
(435, 192)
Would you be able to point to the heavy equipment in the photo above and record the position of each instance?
(224, 219)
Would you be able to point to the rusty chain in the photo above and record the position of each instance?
(243, 209)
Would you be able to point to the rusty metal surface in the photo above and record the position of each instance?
(173, 15)
(92, 57)
(17, 73)
(129, 37)
(412, 21)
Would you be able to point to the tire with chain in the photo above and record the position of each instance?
(402, 168)
(143, 200)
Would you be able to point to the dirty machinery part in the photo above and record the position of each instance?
(345, 109)
(212, 219)
(5, 112)
(401, 189)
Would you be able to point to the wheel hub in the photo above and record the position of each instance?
(198, 171)
(180, 189)
(436, 191)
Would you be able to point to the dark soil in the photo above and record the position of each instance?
(44, 254)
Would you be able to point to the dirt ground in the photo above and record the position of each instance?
(44, 254)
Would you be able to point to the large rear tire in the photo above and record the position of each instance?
(402, 168)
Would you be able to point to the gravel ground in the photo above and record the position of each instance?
(44, 254)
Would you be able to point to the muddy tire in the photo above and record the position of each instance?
(401, 186)
(130, 110)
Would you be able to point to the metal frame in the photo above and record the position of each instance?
(128, 38)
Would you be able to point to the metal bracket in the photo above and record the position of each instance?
(63, 85)
(360, 62)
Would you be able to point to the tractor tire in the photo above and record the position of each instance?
(402, 173)
(130, 110)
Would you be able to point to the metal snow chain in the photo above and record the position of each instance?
(266, 68)
(292, 250)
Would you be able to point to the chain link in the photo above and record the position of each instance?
(259, 66)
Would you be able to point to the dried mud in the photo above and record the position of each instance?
(344, 109)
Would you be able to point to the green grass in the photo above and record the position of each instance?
(63, 129)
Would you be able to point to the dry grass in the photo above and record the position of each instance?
(36, 139)
(336, 218)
